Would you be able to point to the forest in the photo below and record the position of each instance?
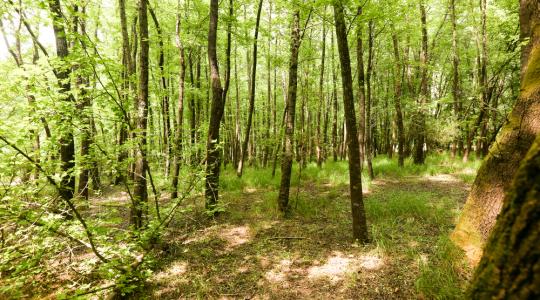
(270, 149)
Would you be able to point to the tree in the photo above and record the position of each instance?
(287, 157)
(67, 144)
(509, 267)
(140, 192)
(513, 141)
(357, 205)
(251, 93)
(420, 116)
(216, 113)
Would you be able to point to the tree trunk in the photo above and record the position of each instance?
(456, 90)
(369, 129)
(397, 101)
(287, 159)
(67, 144)
(167, 148)
(514, 139)
(177, 145)
(140, 192)
(510, 264)
(321, 106)
(217, 107)
(361, 89)
(251, 94)
(420, 117)
(357, 205)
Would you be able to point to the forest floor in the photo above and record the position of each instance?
(250, 252)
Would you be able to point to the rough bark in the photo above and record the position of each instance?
(510, 266)
(514, 139)
(357, 205)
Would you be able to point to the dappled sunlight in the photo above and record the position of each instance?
(338, 265)
(233, 236)
(444, 178)
(278, 274)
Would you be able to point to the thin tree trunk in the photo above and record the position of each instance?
(369, 129)
(361, 89)
(177, 145)
(360, 232)
(167, 147)
(251, 94)
(287, 159)
(321, 106)
(217, 107)
(420, 117)
(140, 192)
(397, 101)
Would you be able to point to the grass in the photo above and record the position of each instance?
(410, 212)
(251, 250)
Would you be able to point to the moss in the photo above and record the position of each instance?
(531, 79)
(508, 266)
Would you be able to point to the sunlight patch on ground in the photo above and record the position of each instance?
(178, 268)
(334, 269)
(278, 274)
(338, 265)
(442, 178)
(234, 236)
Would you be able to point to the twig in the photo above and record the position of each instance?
(288, 238)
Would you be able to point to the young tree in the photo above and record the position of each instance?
(140, 192)
(216, 113)
(67, 144)
(251, 93)
(287, 158)
(357, 205)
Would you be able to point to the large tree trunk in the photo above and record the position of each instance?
(67, 144)
(140, 192)
(357, 205)
(287, 159)
(251, 94)
(511, 260)
(514, 139)
(217, 107)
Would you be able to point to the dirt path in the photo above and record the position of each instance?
(249, 252)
